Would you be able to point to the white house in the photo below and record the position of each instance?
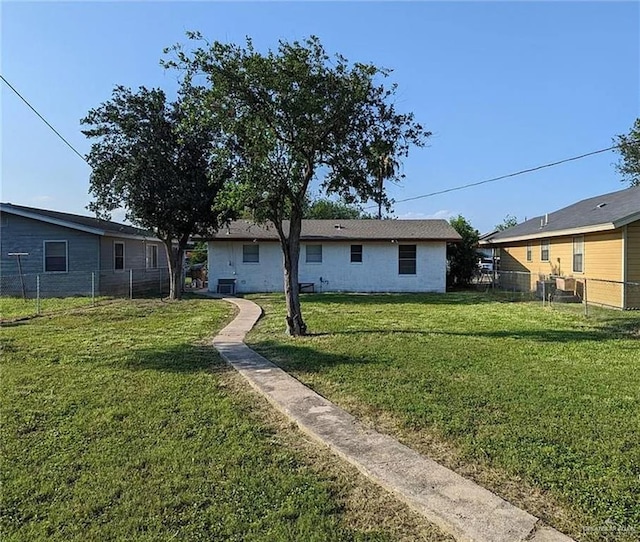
(335, 256)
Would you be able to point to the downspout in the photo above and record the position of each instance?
(624, 267)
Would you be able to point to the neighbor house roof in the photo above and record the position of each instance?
(601, 213)
(77, 222)
(346, 230)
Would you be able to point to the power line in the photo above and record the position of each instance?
(42, 118)
(494, 179)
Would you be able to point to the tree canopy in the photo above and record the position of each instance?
(324, 208)
(166, 169)
(463, 255)
(628, 145)
(508, 222)
(293, 116)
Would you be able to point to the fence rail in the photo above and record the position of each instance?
(29, 294)
(557, 290)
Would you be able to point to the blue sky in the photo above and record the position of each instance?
(503, 86)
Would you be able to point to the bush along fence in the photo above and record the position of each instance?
(556, 290)
(28, 294)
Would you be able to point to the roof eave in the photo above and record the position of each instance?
(594, 228)
(75, 225)
(50, 220)
(627, 220)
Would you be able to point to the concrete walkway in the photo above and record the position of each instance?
(455, 504)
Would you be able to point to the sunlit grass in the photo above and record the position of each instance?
(119, 423)
(541, 405)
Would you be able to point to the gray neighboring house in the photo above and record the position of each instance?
(71, 252)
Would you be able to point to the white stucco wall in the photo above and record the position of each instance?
(378, 271)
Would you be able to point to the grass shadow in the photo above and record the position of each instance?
(184, 358)
(457, 298)
(546, 335)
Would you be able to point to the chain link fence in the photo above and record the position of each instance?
(559, 292)
(31, 294)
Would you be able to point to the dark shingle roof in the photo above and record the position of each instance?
(337, 230)
(102, 227)
(600, 213)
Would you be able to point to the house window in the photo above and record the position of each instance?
(55, 257)
(314, 254)
(152, 256)
(118, 255)
(578, 254)
(544, 251)
(407, 259)
(251, 253)
(356, 253)
(529, 253)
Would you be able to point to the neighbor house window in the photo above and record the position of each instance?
(544, 251)
(55, 256)
(356, 253)
(118, 255)
(529, 253)
(407, 259)
(314, 254)
(251, 253)
(578, 254)
(152, 256)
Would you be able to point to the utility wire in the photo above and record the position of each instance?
(494, 179)
(42, 118)
(455, 188)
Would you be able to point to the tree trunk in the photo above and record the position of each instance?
(174, 258)
(291, 252)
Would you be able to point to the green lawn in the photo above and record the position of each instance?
(540, 405)
(12, 308)
(119, 423)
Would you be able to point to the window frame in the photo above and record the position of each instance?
(66, 255)
(356, 253)
(115, 257)
(543, 244)
(306, 253)
(579, 238)
(404, 260)
(244, 253)
(529, 252)
(148, 259)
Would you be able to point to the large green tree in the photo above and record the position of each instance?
(152, 157)
(628, 145)
(326, 209)
(508, 222)
(463, 255)
(296, 116)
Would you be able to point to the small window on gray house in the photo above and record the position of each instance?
(152, 256)
(55, 256)
(118, 255)
(251, 253)
(314, 254)
(356, 253)
(407, 259)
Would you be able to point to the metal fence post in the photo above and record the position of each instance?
(586, 303)
(544, 290)
(93, 287)
(37, 294)
(130, 283)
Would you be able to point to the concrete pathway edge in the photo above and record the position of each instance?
(458, 506)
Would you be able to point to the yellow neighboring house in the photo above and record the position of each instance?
(594, 242)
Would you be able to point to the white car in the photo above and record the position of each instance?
(485, 265)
